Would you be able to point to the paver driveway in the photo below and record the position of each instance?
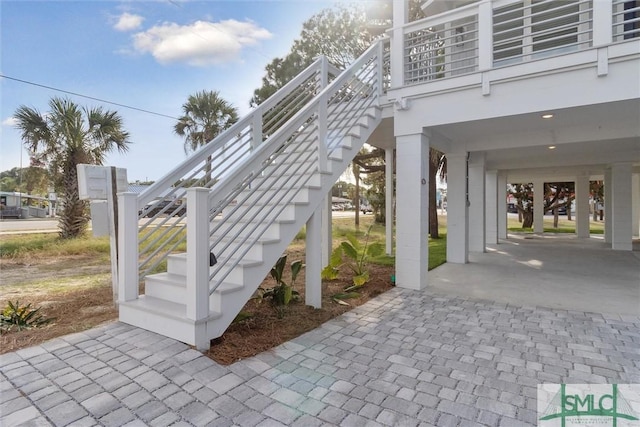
(405, 358)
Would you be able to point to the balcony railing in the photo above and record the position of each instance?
(487, 35)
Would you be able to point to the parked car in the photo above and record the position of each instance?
(366, 209)
(173, 207)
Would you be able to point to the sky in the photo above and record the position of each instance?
(150, 55)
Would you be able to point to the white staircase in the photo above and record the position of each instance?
(253, 207)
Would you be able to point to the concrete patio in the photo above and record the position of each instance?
(470, 350)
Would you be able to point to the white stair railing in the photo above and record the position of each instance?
(277, 143)
(162, 226)
(279, 172)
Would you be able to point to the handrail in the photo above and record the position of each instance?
(162, 226)
(290, 157)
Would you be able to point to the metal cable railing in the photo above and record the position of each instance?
(162, 207)
(247, 203)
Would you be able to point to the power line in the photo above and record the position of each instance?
(87, 96)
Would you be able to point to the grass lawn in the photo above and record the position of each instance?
(564, 225)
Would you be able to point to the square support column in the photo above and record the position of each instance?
(582, 206)
(635, 204)
(327, 230)
(502, 206)
(477, 237)
(412, 216)
(491, 207)
(538, 206)
(314, 259)
(457, 209)
(608, 204)
(388, 204)
(621, 209)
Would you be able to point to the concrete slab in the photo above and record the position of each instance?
(556, 271)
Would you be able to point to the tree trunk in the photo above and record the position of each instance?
(569, 210)
(527, 219)
(73, 218)
(555, 218)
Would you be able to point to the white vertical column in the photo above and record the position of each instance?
(313, 261)
(400, 17)
(388, 204)
(582, 206)
(457, 209)
(621, 209)
(412, 221)
(635, 204)
(502, 206)
(197, 287)
(327, 229)
(608, 204)
(602, 23)
(127, 246)
(538, 206)
(477, 238)
(491, 207)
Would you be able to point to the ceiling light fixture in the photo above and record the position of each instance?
(547, 116)
(552, 147)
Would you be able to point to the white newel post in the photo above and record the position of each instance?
(197, 253)
(127, 246)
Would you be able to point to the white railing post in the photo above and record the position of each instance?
(322, 134)
(322, 117)
(197, 253)
(256, 128)
(380, 69)
(485, 36)
(400, 18)
(602, 22)
(127, 246)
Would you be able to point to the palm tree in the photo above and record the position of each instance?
(205, 115)
(63, 138)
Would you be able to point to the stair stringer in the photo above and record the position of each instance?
(253, 275)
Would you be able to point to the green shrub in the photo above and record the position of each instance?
(21, 317)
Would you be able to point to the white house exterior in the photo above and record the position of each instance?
(474, 81)
(480, 95)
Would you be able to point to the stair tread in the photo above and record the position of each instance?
(244, 262)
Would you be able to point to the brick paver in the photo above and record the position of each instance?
(405, 358)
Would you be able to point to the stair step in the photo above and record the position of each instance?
(173, 288)
(177, 265)
(163, 317)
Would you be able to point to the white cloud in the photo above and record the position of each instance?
(201, 43)
(128, 22)
(10, 121)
